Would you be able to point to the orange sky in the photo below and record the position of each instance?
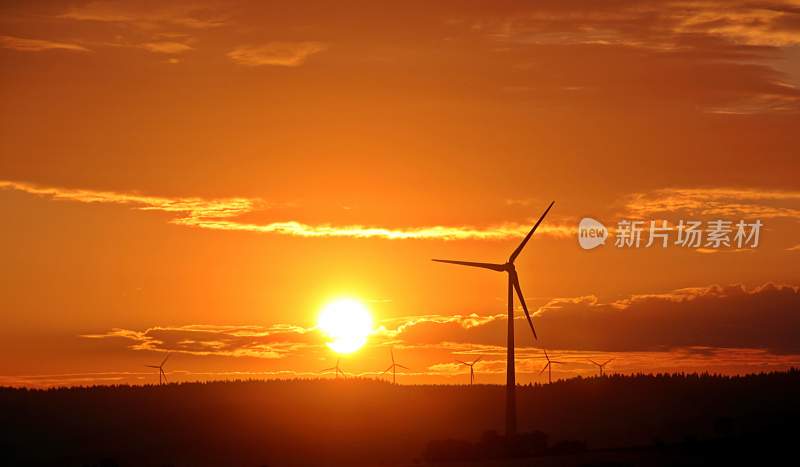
(203, 178)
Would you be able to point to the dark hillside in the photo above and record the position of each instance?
(369, 422)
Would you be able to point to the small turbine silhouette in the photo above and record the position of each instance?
(338, 369)
(549, 367)
(471, 369)
(601, 366)
(394, 366)
(160, 368)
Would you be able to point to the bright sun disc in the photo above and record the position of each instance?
(346, 323)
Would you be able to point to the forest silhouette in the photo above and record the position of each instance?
(368, 422)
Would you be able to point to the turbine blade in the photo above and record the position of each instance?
(527, 237)
(463, 363)
(607, 362)
(555, 361)
(477, 359)
(392, 352)
(403, 367)
(327, 369)
(387, 370)
(524, 305)
(594, 362)
(545, 355)
(153, 366)
(165, 376)
(492, 266)
(166, 358)
(545, 367)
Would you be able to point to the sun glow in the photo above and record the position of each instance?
(346, 323)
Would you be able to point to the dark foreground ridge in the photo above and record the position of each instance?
(610, 420)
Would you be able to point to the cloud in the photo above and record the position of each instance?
(290, 54)
(769, 23)
(38, 45)
(750, 203)
(734, 45)
(446, 330)
(765, 317)
(272, 342)
(649, 24)
(166, 47)
(733, 316)
(147, 16)
(221, 214)
(761, 103)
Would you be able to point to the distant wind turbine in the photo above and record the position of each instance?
(160, 368)
(471, 369)
(549, 367)
(338, 369)
(513, 284)
(394, 366)
(601, 366)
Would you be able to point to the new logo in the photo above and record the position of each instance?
(591, 233)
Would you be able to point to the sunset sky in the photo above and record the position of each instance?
(204, 178)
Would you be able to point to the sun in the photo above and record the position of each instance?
(346, 323)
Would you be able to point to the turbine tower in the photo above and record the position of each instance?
(471, 369)
(601, 366)
(549, 367)
(160, 368)
(513, 284)
(338, 369)
(394, 366)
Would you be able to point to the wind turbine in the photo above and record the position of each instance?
(471, 369)
(161, 369)
(513, 284)
(549, 367)
(339, 371)
(601, 366)
(394, 366)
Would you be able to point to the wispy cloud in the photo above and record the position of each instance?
(166, 47)
(148, 16)
(38, 45)
(734, 42)
(707, 202)
(767, 23)
(763, 103)
(221, 214)
(650, 24)
(272, 342)
(289, 54)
